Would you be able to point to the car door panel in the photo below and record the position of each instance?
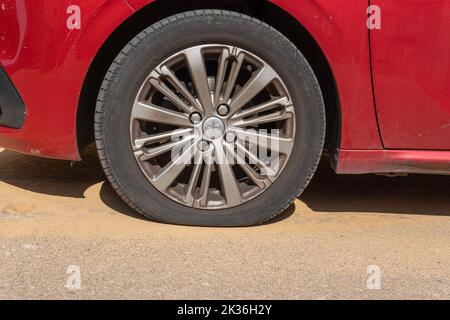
(411, 72)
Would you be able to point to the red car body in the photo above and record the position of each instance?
(392, 84)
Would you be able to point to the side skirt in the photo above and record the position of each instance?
(393, 161)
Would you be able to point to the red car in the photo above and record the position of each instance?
(216, 112)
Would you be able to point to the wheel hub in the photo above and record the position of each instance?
(213, 128)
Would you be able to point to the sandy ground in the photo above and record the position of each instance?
(53, 216)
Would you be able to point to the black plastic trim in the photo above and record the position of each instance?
(12, 107)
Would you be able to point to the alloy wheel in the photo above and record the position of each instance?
(212, 127)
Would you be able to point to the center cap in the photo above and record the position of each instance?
(213, 128)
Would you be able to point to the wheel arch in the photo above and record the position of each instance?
(156, 10)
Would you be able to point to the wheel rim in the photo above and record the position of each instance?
(212, 127)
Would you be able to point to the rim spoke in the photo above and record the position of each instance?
(268, 118)
(161, 137)
(254, 86)
(169, 94)
(227, 178)
(178, 85)
(150, 112)
(172, 170)
(235, 69)
(256, 178)
(202, 201)
(144, 155)
(197, 68)
(253, 158)
(274, 143)
(198, 162)
(260, 181)
(261, 108)
(221, 72)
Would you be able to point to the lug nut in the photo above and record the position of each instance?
(230, 137)
(203, 146)
(196, 118)
(223, 110)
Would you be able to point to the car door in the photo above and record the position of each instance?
(411, 73)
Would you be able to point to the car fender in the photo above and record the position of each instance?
(48, 62)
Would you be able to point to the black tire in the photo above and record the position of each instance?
(145, 52)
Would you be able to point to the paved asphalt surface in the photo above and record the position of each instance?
(53, 216)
